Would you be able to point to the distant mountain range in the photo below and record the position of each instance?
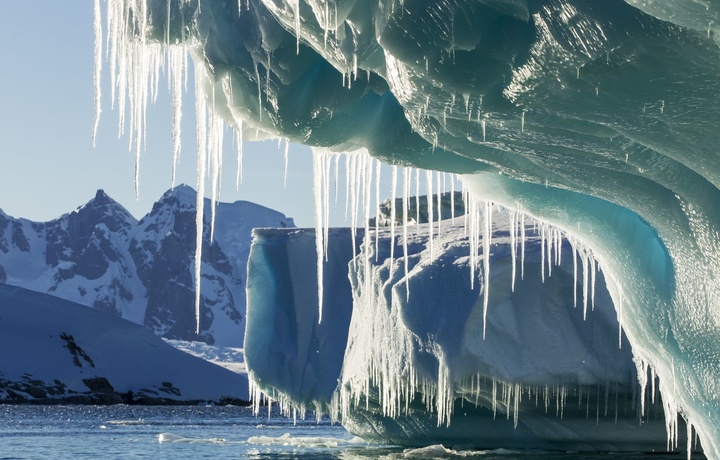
(100, 256)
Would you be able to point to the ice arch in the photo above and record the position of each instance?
(600, 117)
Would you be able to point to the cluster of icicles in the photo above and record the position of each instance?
(391, 374)
(136, 65)
(363, 179)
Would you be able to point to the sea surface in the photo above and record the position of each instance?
(172, 432)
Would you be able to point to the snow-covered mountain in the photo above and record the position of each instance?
(62, 351)
(100, 256)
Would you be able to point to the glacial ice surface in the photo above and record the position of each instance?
(598, 117)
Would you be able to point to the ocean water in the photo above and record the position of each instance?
(130, 432)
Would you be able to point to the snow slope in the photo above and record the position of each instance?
(57, 349)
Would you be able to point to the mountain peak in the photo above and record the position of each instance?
(183, 192)
(181, 196)
(102, 209)
(101, 195)
(101, 199)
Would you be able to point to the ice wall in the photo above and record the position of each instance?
(598, 116)
(288, 351)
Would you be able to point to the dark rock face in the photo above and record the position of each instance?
(19, 240)
(4, 222)
(99, 255)
(164, 253)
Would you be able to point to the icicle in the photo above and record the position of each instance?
(368, 171)
(177, 72)
(429, 185)
(593, 269)
(494, 397)
(326, 26)
(466, 219)
(347, 185)
(522, 248)
(267, 76)
(586, 273)
(393, 211)
(259, 90)
(377, 208)
(542, 253)
(487, 238)
(619, 309)
(327, 157)
(216, 143)
(642, 366)
(575, 276)
(652, 383)
(297, 27)
(513, 248)
(357, 181)
(405, 198)
(319, 160)
(452, 199)
(439, 202)
(417, 199)
(550, 235)
(201, 127)
(516, 407)
(355, 184)
(97, 70)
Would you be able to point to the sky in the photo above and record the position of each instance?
(48, 165)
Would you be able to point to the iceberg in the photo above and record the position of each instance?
(599, 118)
(554, 371)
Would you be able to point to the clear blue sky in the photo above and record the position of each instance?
(48, 165)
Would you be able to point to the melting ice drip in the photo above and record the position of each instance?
(137, 53)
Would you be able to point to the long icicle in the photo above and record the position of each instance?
(377, 207)
(177, 70)
(97, 69)
(201, 109)
(405, 199)
(393, 188)
(487, 238)
(368, 167)
(429, 185)
(319, 160)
